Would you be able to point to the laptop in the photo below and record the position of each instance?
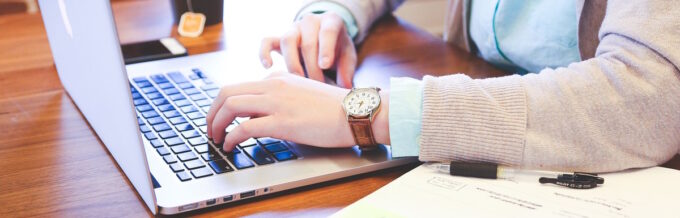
(151, 118)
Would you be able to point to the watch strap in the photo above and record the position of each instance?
(362, 132)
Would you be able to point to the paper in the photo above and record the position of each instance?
(425, 192)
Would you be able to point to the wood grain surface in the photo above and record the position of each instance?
(53, 164)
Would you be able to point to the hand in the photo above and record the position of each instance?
(320, 42)
(290, 108)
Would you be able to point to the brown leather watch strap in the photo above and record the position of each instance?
(362, 132)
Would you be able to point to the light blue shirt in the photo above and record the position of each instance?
(520, 36)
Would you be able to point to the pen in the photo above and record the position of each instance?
(575, 180)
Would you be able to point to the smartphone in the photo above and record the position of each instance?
(152, 50)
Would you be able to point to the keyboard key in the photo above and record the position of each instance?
(136, 95)
(148, 90)
(177, 77)
(196, 97)
(239, 160)
(284, 155)
(192, 91)
(185, 85)
(201, 172)
(204, 102)
(202, 148)
(166, 107)
(170, 91)
(167, 134)
(160, 101)
(191, 134)
(150, 136)
(275, 147)
(198, 73)
(194, 164)
(169, 159)
(249, 142)
(156, 120)
(188, 109)
(220, 166)
(171, 114)
(209, 156)
(144, 84)
(138, 102)
(205, 108)
(187, 156)
(230, 128)
(156, 143)
(149, 114)
(213, 93)
(181, 148)
(184, 127)
(182, 103)
(176, 97)
(198, 141)
(204, 129)
(140, 79)
(258, 154)
(195, 115)
(144, 108)
(267, 140)
(194, 77)
(176, 167)
(144, 128)
(162, 151)
(183, 176)
(207, 81)
(209, 87)
(159, 78)
(161, 127)
(174, 141)
(154, 95)
(165, 85)
(200, 122)
(140, 121)
(177, 120)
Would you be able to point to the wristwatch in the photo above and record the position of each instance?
(360, 105)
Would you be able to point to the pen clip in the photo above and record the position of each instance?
(577, 180)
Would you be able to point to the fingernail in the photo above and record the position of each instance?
(325, 62)
(265, 63)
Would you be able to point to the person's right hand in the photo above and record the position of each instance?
(319, 42)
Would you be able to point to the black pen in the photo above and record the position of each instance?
(575, 180)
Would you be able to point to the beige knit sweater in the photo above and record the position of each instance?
(617, 110)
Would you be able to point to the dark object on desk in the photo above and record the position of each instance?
(152, 50)
(575, 181)
(212, 9)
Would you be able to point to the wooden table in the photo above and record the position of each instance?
(53, 164)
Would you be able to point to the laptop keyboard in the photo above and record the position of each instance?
(171, 110)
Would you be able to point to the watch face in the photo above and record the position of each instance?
(361, 102)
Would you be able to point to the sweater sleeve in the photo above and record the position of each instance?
(365, 12)
(616, 111)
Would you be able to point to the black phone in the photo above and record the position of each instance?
(152, 50)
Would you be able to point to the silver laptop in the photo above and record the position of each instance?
(151, 117)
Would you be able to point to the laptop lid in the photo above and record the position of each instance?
(87, 55)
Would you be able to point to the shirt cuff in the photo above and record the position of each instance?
(324, 6)
(405, 115)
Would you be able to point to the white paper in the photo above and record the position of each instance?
(425, 192)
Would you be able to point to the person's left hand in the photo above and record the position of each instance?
(282, 106)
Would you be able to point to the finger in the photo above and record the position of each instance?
(310, 48)
(347, 63)
(236, 106)
(247, 88)
(329, 32)
(289, 48)
(268, 45)
(253, 128)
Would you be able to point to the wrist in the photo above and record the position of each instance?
(380, 125)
